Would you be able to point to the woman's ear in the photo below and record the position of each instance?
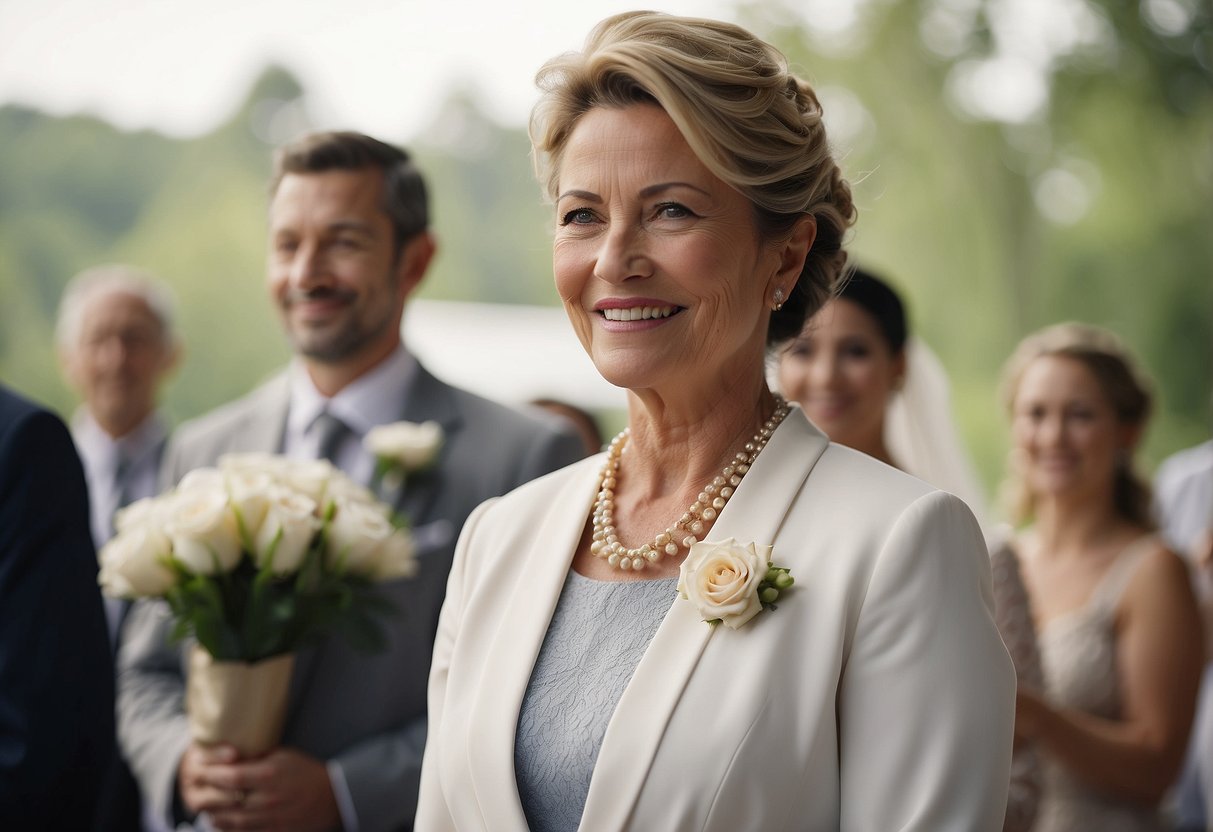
(1130, 435)
(899, 369)
(173, 354)
(792, 253)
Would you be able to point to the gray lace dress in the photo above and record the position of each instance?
(597, 636)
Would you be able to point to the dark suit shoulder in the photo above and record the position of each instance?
(518, 445)
(15, 410)
(509, 422)
(56, 683)
(43, 496)
(28, 430)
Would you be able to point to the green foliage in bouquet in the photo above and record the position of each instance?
(250, 614)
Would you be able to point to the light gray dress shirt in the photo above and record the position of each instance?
(1184, 502)
(373, 399)
(1184, 497)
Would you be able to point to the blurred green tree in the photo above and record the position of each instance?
(1015, 162)
(1018, 163)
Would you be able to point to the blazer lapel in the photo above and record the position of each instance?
(755, 513)
(516, 647)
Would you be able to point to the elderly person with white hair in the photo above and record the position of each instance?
(117, 347)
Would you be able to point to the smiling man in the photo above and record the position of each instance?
(349, 242)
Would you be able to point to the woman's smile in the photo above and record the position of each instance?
(634, 315)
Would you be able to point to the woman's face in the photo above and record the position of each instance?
(658, 262)
(1065, 433)
(842, 371)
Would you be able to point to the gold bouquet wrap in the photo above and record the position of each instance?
(240, 703)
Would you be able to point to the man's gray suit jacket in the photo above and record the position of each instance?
(363, 712)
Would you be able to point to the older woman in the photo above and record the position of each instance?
(1117, 623)
(699, 215)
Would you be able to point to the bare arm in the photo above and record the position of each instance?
(1013, 615)
(1159, 656)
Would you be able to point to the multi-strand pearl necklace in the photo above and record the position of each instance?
(688, 529)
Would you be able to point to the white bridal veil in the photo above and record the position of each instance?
(922, 435)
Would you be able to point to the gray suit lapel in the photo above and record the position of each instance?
(267, 423)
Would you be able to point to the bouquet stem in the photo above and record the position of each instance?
(240, 703)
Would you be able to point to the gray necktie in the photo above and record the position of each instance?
(331, 432)
(121, 487)
(115, 608)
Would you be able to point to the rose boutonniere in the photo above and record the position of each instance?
(402, 448)
(731, 583)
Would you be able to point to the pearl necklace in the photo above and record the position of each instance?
(688, 529)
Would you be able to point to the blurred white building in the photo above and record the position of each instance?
(510, 353)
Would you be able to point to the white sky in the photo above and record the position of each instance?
(380, 66)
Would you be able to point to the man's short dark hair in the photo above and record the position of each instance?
(405, 200)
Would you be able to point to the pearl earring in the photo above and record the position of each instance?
(778, 299)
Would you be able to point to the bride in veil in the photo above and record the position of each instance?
(870, 385)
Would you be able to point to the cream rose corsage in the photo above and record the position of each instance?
(403, 448)
(731, 583)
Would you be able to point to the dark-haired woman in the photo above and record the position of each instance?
(868, 384)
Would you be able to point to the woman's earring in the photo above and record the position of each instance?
(778, 299)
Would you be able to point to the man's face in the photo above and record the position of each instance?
(119, 360)
(333, 270)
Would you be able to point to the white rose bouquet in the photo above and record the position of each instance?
(257, 558)
(260, 555)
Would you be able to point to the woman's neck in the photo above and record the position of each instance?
(675, 446)
(1074, 526)
(872, 444)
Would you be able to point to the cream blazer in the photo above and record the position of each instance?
(877, 697)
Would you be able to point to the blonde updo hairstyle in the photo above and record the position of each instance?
(750, 121)
(1126, 389)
